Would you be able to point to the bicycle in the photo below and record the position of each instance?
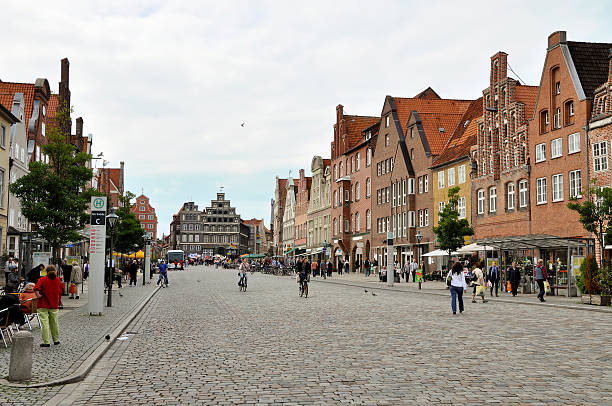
(303, 288)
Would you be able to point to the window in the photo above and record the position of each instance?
(3, 136)
(357, 192)
(369, 157)
(569, 112)
(558, 88)
(492, 200)
(368, 219)
(335, 227)
(378, 171)
(451, 177)
(426, 182)
(556, 148)
(600, 156)
(151, 217)
(541, 190)
(420, 184)
(426, 217)
(441, 180)
(368, 187)
(557, 188)
(461, 174)
(151, 227)
(346, 226)
(440, 207)
(411, 132)
(341, 169)
(543, 121)
(510, 194)
(461, 207)
(378, 200)
(557, 118)
(387, 120)
(481, 199)
(357, 158)
(410, 186)
(387, 193)
(411, 153)
(357, 222)
(575, 184)
(347, 195)
(387, 140)
(573, 143)
(141, 217)
(540, 152)
(335, 172)
(335, 198)
(403, 191)
(393, 194)
(420, 218)
(384, 167)
(411, 220)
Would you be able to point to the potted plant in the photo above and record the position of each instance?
(605, 285)
(588, 281)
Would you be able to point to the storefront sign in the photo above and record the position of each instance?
(97, 251)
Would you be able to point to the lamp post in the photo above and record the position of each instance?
(147, 259)
(112, 219)
(419, 237)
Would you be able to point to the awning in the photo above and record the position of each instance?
(436, 253)
(468, 249)
(532, 241)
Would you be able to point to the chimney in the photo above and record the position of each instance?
(65, 74)
(121, 176)
(79, 128)
(556, 38)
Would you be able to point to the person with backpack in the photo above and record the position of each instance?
(540, 276)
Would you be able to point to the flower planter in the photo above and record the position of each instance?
(596, 300)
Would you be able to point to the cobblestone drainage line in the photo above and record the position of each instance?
(599, 309)
(93, 358)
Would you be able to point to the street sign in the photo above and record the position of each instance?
(97, 252)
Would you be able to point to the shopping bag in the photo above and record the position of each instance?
(509, 286)
(546, 287)
(481, 290)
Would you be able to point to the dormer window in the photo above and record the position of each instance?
(411, 132)
(543, 121)
(387, 121)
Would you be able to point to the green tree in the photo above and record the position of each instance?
(54, 197)
(128, 234)
(451, 230)
(595, 213)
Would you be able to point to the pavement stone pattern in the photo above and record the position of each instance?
(202, 342)
(80, 335)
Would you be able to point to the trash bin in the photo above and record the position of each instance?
(396, 277)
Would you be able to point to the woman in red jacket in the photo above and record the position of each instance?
(49, 290)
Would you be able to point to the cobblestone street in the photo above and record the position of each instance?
(203, 342)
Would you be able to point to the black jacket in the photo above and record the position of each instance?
(514, 275)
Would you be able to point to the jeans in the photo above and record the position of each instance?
(367, 272)
(163, 275)
(456, 293)
(540, 283)
(494, 283)
(48, 320)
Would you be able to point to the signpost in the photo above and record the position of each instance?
(147, 260)
(390, 263)
(97, 252)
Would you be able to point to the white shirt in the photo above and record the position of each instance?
(480, 278)
(458, 280)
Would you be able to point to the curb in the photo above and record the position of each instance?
(598, 309)
(93, 358)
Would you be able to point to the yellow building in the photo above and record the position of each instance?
(6, 120)
(452, 168)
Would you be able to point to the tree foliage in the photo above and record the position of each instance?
(54, 196)
(128, 234)
(451, 230)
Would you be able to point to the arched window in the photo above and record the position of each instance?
(335, 226)
(357, 158)
(357, 221)
(357, 192)
(368, 220)
(368, 187)
(352, 223)
(341, 169)
(335, 172)
(369, 157)
(353, 164)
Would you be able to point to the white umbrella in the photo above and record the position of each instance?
(467, 249)
(436, 253)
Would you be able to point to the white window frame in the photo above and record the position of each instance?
(393, 194)
(523, 195)
(441, 180)
(426, 183)
(557, 187)
(481, 201)
(426, 217)
(357, 164)
(411, 220)
(368, 187)
(410, 186)
(556, 148)
(451, 177)
(575, 178)
(461, 207)
(573, 143)
(461, 174)
(510, 192)
(368, 156)
(420, 184)
(557, 118)
(540, 152)
(403, 191)
(421, 218)
(493, 199)
(600, 156)
(541, 192)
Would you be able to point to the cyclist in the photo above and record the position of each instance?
(303, 279)
(163, 273)
(242, 272)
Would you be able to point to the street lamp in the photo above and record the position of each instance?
(147, 259)
(419, 237)
(112, 219)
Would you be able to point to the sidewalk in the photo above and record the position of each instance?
(80, 334)
(439, 288)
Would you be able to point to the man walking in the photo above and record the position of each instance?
(540, 277)
(413, 267)
(366, 267)
(494, 279)
(514, 276)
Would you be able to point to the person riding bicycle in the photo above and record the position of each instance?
(163, 273)
(242, 271)
(304, 272)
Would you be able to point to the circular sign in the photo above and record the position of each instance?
(98, 203)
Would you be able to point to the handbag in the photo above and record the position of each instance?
(480, 290)
(449, 279)
(508, 286)
(546, 287)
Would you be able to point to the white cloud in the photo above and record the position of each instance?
(165, 85)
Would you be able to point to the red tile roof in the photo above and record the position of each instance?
(428, 93)
(355, 125)
(463, 137)
(527, 95)
(7, 92)
(52, 106)
(404, 106)
(254, 222)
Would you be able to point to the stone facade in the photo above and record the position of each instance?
(302, 197)
(288, 222)
(189, 229)
(223, 231)
(319, 209)
(7, 119)
(278, 212)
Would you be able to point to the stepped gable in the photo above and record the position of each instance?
(591, 62)
(463, 137)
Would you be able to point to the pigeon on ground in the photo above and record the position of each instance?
(365, 291)
(107, 337)
(242, 125)
(374, 294)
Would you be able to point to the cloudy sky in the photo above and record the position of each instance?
(165, 85)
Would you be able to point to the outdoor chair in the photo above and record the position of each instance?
(5, 328)
(33, 313)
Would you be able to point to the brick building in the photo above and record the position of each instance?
(319, 209)
(110, 182)
(288, 219)
(348, 154)
(145, 213)
(500, 173)
(257, 236)
(561, 160)
(302, 198)
(278, 212)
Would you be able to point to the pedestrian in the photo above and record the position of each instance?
(48, 289)
(86, 270)
(133, 270)
(347, 266)
(366, 267)
(514, 276)
(340, 266)
(406, 272)
(374, 266)
(478, 282)
(13, 279)
(413, 267)
(10, 301)
(163, 273)
(330, 268)
(494, 279)
(357, 265)
(66, 276)
(457, 286)
(35, 273)
(314, 267)
(540, 277)
(8, 269)
(77, 279)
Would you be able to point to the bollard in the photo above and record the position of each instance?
(20, 366)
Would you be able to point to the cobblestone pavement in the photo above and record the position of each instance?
(80, 335)
(201, 341)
